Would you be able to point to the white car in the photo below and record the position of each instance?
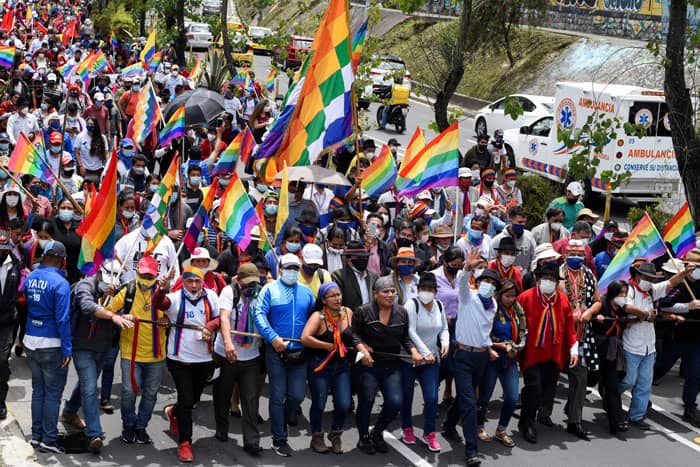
(198, 36)
(493, 116)
(519, 142)
(381, 75)
(211, 7)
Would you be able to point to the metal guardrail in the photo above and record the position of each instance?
(459, 100)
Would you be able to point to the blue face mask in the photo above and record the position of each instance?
(3, 175)
(289, 276)
(574, 262)
(406, 269)
(90, 128)
(173, 198)
(486, 289)
(345, 225)
(270, 209)
(292, 247)
(55, 126)
(153, 188)
(128, 152)
(475, 236)
(307, 230)
(200, 238)
(4, 147)
(518, 229)
(65, 215)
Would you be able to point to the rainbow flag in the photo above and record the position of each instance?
(270, 80)
(248, 144)
(241, 79)
(264, 243)
(114, 41)
(147, 115)
(358, 43)
(175, 128)
(227, 159)
(7, 57)
(97, 228)
(436, 165)
(190, 239)
(25, 159)
(132, 70)
(415, 146)
(381, 175)
(238, 216)
(155, 62)
(323, 114)
(196, 70)
(149, 49)
(154, 224)
(680, 232)
(98, 63)
(66, 69)
(643, 242)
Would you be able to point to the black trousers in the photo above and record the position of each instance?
(6, 340)
(610, 378)
(539, 387)
(190, 379)
(576, 394)
(246, 374)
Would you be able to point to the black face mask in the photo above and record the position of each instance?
(482, 147)
(403, 242)
(360, 263)
(571, 200)
(452, 270)
(488, 183)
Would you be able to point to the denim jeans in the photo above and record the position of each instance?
(48, 382)
(148, 377)
(689, 351)
(388, 379)
(335, 375)
(287, 391)
(469, 371)
(88, 364)
(108, 373)
(504, 370)
(639, 372)
(428, 376)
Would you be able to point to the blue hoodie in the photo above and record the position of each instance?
(48, 305)
(282, 311)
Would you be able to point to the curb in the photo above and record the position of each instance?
(458, 100)
(14, 449)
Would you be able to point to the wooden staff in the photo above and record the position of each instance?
(21, 187)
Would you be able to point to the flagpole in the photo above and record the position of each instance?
(61, 185)
(357, 145)
(670, 255)
(20, 186)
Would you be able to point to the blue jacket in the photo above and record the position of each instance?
(48, 305)
(282, 311)
(602, 261)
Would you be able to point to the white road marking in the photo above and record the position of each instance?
(406, 452)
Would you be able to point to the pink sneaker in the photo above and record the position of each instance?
(431, 441)
(408, 436)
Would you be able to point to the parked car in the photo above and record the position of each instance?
(291, 55)
(241, 48)
(257, 36)
(493, 116)
(198, 36)
(211, 7)
(382, 75)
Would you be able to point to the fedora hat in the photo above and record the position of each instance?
(547, 269)
(442, 231)
(405, 252)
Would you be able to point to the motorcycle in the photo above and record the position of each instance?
(397, 113)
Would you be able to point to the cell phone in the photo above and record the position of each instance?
(219, 122)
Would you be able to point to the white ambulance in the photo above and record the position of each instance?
(650, 159)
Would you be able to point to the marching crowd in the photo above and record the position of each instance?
(356, 295)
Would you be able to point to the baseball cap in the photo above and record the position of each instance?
(55, 137)
(290, 260)
(248, 274)
(66, 160)
(312, 254)
(148, 265)
(575, 188)
(51, 77)
(55, 248)
(99, 97)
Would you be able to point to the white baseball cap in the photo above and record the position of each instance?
(575, 188)
(312, 254)
(99, 97)
(290, 260)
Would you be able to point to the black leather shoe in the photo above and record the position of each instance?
(641, 424)
(546, 420)
(576, 430)
(450, 434)
(619, 428)
(3, 412)
(529, 434)
(221, 436)
(473, 461)
(366, 445)
(253, 449)
(690, 415)
(380, 445)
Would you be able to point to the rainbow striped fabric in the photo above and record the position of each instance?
(7, 57)
(227, 159)
(324, 111)
(241, 79)
(358, 42)
(147, 115)
(270, 80)
(196, 70)
(66, 69)
(155, 62)
(114, 41)
(154, 220)
(436, 165)
(248, 144)
(174, 129)
(237, 217)
(26, 160)
(200, 216)
(97, 228)
(381, 175)
(680, 231)
(132, 70)
(643, 242)
(415, 146)
(149, 49)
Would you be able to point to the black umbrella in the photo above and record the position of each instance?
(201, 106)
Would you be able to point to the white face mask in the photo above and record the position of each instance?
(547, 287)
(424, 238)
(555, 226)
(478, 272)
(211, 137)
(12, 200)
(608, 236)
(511, 183)
(697, 242)
(289, 276)
(486, 289)
(127, 214)
(507, 260)
(43, 243)
(645, 285)
(620, 301)
(426, 297)
(479, 212)
(695, 274)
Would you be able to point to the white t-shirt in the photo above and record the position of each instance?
(192, 348)
(226, 303)
(130, 249)
(87, 159)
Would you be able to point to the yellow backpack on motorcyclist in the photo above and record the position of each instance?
(399, 93)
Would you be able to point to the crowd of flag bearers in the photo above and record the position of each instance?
(273, 246)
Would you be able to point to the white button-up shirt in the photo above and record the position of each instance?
(640, 338)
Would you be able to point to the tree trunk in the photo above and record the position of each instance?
(456, 70)
(180, 40)
(224, 36)
(142, 20)
(507, 46)
(680, 107)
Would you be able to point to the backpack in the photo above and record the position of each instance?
(125, 310)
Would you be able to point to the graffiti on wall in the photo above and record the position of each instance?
(626, 27)
(642, 7)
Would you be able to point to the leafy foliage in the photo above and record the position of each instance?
(215, 73)
(114, 17)
(537, 192)
(657, 215)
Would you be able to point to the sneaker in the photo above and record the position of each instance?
(107, 407)
(366, 445)
(95, 445)
(142, 437)
(129, 435)
(691, 415)
(431, 441)
(73, 420)
(35, 443)
(52, 447)
(473, 461)
(378, 440)
(282, 449)
(174, 431)
(408, 437)
(184, 452)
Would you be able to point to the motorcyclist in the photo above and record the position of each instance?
(398, 96)
(498, 151)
